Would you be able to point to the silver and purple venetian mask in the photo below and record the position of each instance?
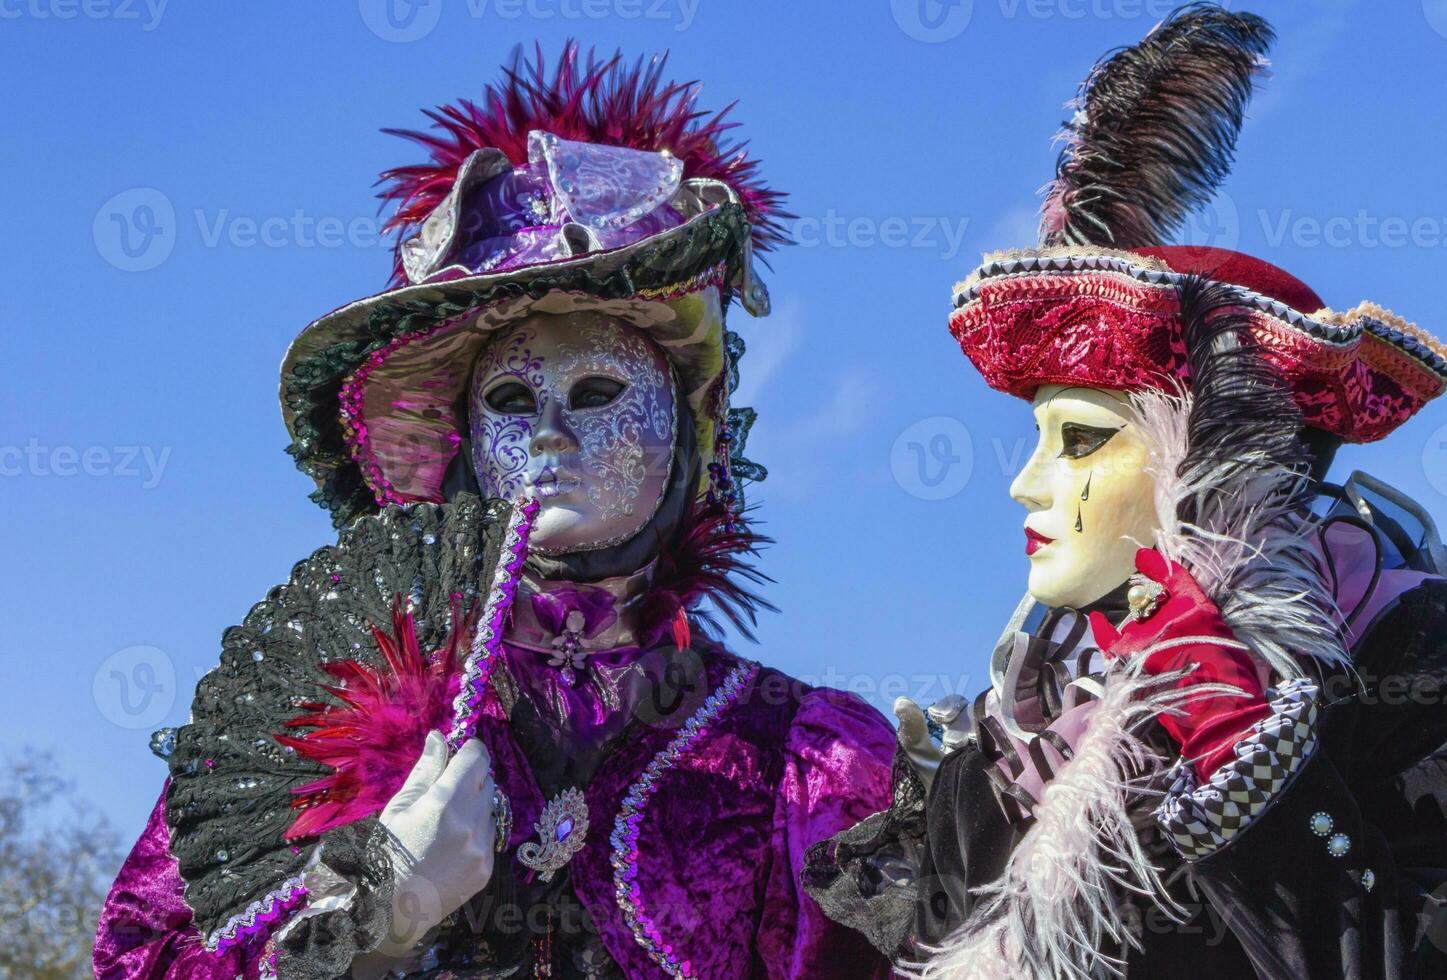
(579, 411)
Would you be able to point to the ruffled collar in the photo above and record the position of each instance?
(1049, 681)
(573, 651)
(569, 622)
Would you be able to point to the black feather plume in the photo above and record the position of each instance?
(1244, 429)
(1155, 130)
(1245, 489)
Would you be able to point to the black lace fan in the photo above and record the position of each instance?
(231, 804)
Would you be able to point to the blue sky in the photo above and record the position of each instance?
(190, 183)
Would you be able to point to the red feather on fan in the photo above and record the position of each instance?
(373, 736)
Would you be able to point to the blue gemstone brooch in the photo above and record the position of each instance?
(562, 829)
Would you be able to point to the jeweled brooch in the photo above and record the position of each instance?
(562, 829)
(1144, 597)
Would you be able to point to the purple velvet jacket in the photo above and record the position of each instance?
(691, 867)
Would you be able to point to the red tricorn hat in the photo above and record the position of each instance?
(1098, 304)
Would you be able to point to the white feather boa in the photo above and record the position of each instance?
(1053, 912)
(1254, 553)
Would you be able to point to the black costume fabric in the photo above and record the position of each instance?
(1272, 902)
(231, 781)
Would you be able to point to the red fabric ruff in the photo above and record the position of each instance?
(1206, 727)
(1107, 330)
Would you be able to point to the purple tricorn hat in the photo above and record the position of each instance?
(569, 199)
(596, 190)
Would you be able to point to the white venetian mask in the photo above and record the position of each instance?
(579, 411)
(1090, 499)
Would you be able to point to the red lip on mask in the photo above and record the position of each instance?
(1034, 541)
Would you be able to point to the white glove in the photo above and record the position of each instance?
(441, 822)
(924, 753)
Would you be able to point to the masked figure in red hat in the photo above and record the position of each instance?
(488, 733)
(1213, 741)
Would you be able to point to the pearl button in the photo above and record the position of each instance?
(1338, 845)
(1321, 824)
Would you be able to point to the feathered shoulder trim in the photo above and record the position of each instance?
(709, 559)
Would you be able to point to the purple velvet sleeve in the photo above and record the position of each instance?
(836, 773)
(145, 929)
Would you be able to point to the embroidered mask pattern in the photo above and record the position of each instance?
(580, 411)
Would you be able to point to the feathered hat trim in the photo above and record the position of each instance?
(587, 99)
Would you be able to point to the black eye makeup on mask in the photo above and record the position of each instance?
(1078, 440)
(511, 398)
(595, 392)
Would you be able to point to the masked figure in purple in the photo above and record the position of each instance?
(1213, 743)
(490, 732)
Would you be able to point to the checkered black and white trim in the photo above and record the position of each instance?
(1200, 819)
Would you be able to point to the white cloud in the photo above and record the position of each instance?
(843, 413)
(768, 344)
(1016, 228)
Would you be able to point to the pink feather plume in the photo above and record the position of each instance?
(593, 100)
(373, 737)
(374, 732)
